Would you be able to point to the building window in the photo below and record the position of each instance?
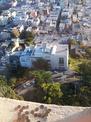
(61, 61)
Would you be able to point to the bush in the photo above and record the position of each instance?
(41, 64)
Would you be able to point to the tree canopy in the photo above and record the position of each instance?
(85, 70)
(6, 90)
(41, 64)
(27, 36)
(52, 93)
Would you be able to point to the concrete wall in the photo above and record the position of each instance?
(84, 116)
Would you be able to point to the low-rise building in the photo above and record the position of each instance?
(56, 54)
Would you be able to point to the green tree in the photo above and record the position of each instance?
(37, 93)
(27, 36)
(41, 76)
(41, 64)
(52, 93)
(12, 82)
(88, 52)
(85, 70)
(76, 94)
(69, 97)
(47, 91)
(16, 71)
(85, 95)
(71, 42)
(6, 90)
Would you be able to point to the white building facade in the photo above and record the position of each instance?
(57, 55)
